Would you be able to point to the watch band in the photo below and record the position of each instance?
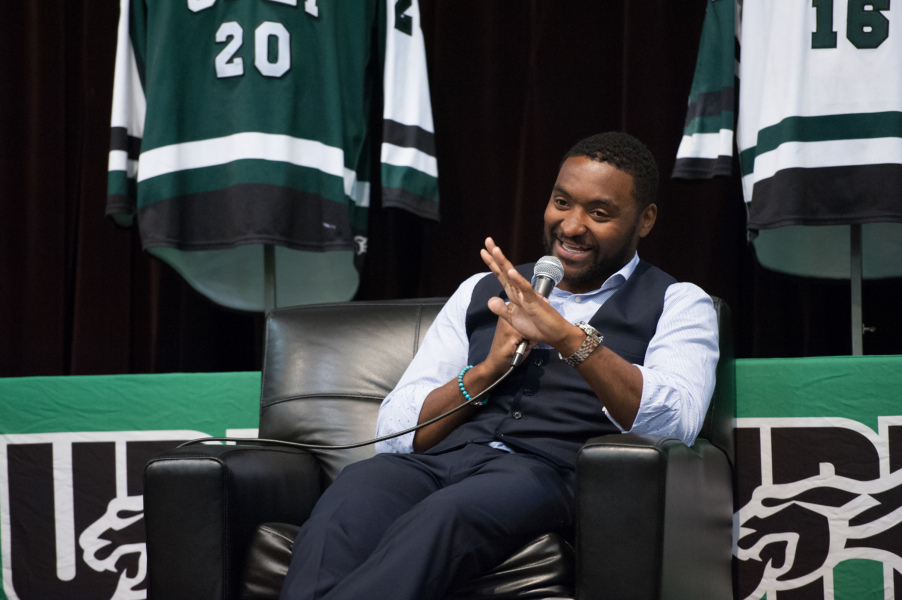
(593, 340)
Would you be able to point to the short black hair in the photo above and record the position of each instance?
(628, 154)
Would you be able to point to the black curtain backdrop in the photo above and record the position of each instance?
(514, 84)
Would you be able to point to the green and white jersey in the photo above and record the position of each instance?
(242, 123)
(818, 127)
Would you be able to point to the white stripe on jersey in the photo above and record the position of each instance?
(357, 191)
(119, 161)
(811, 155)
(706, 145)
(409, 157)
(241, 146)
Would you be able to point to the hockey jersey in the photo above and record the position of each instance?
(818, 124)
(243, 123)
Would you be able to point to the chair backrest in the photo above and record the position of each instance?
(327, 368)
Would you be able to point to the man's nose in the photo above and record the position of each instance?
(574, 223)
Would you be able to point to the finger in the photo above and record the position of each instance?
(490, 262)
(513, 276)
(499, 308)
(505, 327)
(500, 258)
(494, 258)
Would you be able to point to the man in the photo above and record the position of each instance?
(618, 346)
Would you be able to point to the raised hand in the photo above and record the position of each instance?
(527, 311)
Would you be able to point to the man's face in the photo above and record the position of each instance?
(593, 223)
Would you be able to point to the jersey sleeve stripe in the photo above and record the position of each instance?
(713, 124)
(702, 168)
(409, 157)
(408, 136)
(707, 145)
(711, 104)
(120, 161)
(121, 140)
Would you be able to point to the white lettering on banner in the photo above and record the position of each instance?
(792, 532)
(112, 544)
(92, 543)
(64, 511)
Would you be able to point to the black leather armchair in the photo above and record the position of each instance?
(654, 517)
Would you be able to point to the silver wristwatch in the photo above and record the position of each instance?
(593, 340)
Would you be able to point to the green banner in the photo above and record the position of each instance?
(819, 468)
(72, 453)
(819, 475)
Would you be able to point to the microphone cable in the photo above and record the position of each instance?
(264, 441)
(547, 273)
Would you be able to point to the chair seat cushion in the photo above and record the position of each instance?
(541, 569)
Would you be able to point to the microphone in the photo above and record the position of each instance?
(547, 273)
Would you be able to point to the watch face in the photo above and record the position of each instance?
(590, 331)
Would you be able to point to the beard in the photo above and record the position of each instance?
(592, 276)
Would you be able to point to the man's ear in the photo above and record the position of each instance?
(647, 219)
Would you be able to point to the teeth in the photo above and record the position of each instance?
(572, 248)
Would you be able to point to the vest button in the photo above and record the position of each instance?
(528, 392)
(517, 414)
(538, 362)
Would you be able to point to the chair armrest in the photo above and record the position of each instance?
(202, 504)
(654, 519)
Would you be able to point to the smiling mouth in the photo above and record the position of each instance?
(572, 250)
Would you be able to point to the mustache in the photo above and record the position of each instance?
(579, 240)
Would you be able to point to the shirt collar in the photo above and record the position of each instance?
(612, 282)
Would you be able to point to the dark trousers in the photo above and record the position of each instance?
(414, 526)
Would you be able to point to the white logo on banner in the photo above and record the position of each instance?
(104, 545)
(792, 534)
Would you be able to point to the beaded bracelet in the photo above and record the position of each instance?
(460, 384)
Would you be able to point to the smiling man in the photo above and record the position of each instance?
(618, 346)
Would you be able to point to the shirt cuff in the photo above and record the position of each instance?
(665, 408)
(400, 411)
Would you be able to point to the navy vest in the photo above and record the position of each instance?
(545, 407)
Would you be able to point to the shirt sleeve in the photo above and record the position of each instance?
(439, 360)
(679, 371)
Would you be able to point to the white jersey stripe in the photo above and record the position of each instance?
(357, 191)
(241, 146)
(409, 157)
(706, 145)
(812, 155)
(119, 161)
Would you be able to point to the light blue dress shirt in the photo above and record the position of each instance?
(677, 376)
